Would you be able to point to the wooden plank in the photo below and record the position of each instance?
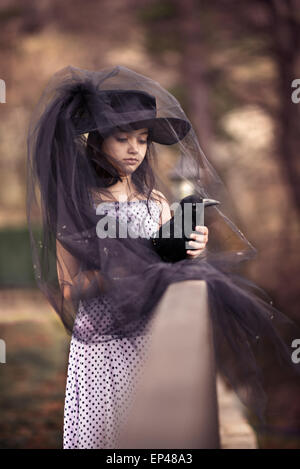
(175, 403)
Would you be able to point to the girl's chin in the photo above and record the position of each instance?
(126, 174)
(128, 171)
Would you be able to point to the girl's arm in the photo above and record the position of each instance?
(165, 213)
(72, 281)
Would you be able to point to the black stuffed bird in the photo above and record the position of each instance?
(171, 240)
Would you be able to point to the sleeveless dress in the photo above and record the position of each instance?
(102, 377)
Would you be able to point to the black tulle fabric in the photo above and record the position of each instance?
(62, 219)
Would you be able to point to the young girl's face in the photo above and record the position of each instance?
(126, 150)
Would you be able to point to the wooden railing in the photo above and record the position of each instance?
(175, 403)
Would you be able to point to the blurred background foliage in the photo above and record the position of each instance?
(231, 65)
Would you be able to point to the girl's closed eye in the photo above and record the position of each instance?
(120, 139)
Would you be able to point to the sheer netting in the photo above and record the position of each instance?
(84, 243)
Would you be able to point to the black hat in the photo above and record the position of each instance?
(110, 109)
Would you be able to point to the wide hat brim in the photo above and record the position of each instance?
(164, 130)
(110, 109)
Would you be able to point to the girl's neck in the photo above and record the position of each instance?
(123, 191)
(126, 185)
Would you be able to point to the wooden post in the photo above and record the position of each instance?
(175, 403)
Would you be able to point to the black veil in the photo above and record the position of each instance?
(68, 188)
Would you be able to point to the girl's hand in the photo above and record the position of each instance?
(199, 243)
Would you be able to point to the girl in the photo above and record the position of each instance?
(99, 389)
(94, 173)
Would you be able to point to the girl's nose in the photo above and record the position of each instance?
(133, 146)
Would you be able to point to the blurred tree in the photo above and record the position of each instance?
(276, 27)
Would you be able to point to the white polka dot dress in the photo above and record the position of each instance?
(102, 377)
